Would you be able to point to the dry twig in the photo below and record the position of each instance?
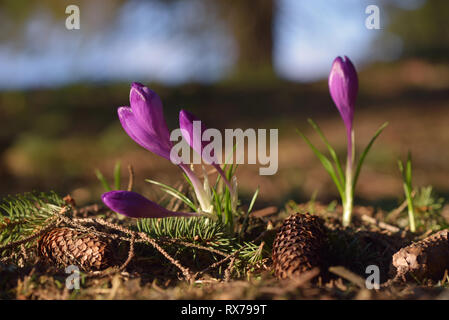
(380, 224)
(131, 178)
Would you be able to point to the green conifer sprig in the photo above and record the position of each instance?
(206, 232)
(24, 214)
(202, 231)
(253, 252)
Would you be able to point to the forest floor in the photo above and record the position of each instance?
(369, 241)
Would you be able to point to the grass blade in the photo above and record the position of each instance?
(408, 189)
(229, 220)
(217, 205)
(250, 208)
(175, 193)
(365, 152)
(103, 180)
(253, 200)
(408, 171)
(117, 181)
(331, 150)
(326, 164)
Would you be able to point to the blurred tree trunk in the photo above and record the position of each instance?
(251, 24)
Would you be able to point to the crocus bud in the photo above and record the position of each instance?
(144, 121)
(147, 107)
(144, 138)
(134, 205)
(188, 123)
(192, 130)
(343, 87)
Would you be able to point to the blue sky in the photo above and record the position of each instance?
(146, 43)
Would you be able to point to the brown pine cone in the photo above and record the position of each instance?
(66, 246)
(298, 246)
(425, 259)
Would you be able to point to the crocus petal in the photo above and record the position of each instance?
(201, 195)
(186, 123)
(134, 205)
(141, 136)
(343, 87)
(147, 107)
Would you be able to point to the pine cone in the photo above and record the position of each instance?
(298, 246)
(66, 246)
(425, 259)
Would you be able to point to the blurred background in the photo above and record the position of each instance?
(235, 64)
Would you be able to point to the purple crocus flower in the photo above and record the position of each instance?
(193, 135)
(343, 87)
(134, 205)
(194, 139)
(144, 122)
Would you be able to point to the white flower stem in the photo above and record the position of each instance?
(349, 192)
(201, 195)
(347, 205)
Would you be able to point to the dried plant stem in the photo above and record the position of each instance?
(131, 177)
(230, 256)
(396, 212)
(229, 269)
(94, 208)
(348, 275)
(5, 259)
(23, 251)
(380, 224)
(27, 239)
(175, 203)
(130, 253)
(124, 230)
(146, 238)
(185, 271)
(197, 246)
